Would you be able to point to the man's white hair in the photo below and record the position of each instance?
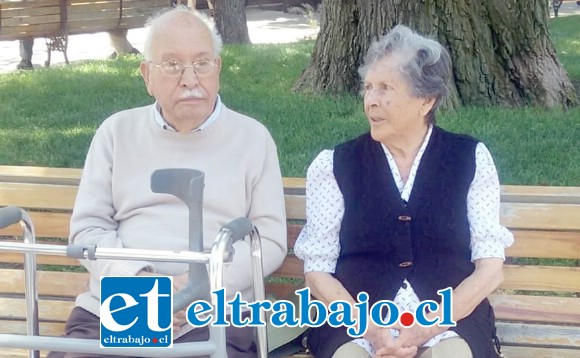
(159, 19)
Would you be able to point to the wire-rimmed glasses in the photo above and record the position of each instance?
(176, 69)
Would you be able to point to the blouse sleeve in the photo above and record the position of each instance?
(488, 237)
(318, 243)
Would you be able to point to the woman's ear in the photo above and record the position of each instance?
(427, 105)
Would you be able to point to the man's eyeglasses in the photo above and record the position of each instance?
(176, 69)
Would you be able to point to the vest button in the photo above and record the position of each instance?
(404, 218)
(405, 264)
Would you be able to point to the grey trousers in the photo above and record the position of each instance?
(83, 324)
(26, 48)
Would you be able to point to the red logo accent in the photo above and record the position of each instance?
(407, 319)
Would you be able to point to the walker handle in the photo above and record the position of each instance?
(10, 215)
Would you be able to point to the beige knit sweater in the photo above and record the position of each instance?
(115, 206)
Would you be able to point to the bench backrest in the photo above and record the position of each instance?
(39, 18)
(542, 273)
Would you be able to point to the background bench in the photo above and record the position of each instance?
(44, 18)
(57, 19)
(537, 306)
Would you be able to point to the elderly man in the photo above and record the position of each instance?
(187, 127)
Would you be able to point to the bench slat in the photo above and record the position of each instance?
(540, 194)
(72, 176)
(292, 267)
(82, 14)
(17, 258)
(19, 327)
(39, 30)
(11, 4)
(50, 283)
(38, 196)
(145, 7)
(541, 278)
(293, 230)
(545, 244)
(538, 335)
(281, 291)
(45, 224)
(29, 11)
(528, 352)
(538, 309)
(48, 310)
(40, 175)
(509, 193)
(27, 20)
(526, 216)
(19, 353)
(295, 207)
(542, 244)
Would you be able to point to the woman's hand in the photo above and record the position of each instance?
(417, 335)
(374, 336)
(394, 347)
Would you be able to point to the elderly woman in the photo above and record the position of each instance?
(404, 211)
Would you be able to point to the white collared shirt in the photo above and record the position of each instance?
(208, 122)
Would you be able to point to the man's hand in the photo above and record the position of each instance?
(179, 317)
(179, 282)
(179, 320)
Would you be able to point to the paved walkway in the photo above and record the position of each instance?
(568, 8)
(264, 26)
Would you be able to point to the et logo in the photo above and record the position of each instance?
(136, 312)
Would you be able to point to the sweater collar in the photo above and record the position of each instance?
(208, 122)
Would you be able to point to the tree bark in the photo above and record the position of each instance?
(501, 51)
(230, 19)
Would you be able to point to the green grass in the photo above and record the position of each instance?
(565, 34)
(48, 116)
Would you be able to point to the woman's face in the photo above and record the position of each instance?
(392, 111)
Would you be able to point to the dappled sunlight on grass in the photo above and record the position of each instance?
(564, 34)
(40, 146)
(530, 145)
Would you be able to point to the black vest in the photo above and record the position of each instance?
(385, 240)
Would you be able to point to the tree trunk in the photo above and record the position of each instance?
(230, 19)
(500, 49)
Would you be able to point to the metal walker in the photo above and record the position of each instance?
(187, 185)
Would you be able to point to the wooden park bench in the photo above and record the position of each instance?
(537, 306)
(55, 20)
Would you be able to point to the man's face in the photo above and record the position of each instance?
(186, 100)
